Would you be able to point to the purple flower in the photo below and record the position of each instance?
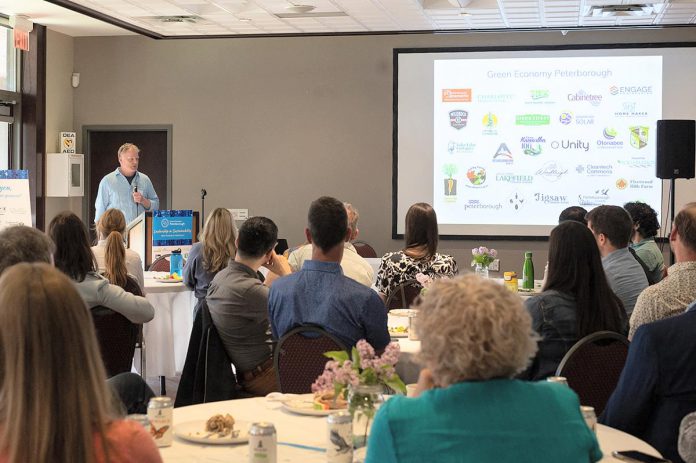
(494, 253)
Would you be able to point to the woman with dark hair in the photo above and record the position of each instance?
(645, 226)
(73, 256)
(576, 299)
(418, 256)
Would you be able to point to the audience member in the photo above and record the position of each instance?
(687, 438)
(645, 226)
(320, 294)
(418, 256)
(677, 290)
(24, 244)
(354, 266)
(576, 213)
(576, 299)
(612, 228)
(657, 387)
(475, 336)
(74, 257)
(238, 304)
(113, 259)
(211, 254)
(56, 405)
(20, 244)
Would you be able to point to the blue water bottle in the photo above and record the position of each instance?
(176, 263)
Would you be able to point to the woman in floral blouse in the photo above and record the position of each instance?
(418, 256)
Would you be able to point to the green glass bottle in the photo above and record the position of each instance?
(528, 272)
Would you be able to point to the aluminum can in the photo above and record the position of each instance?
(510, 279)
(339, 448)
(262, 443)
(159, 413)
(413, 326)
(590, 417)
(557, 379)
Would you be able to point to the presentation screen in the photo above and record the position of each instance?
(500, 142)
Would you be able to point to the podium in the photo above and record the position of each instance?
(139, 236)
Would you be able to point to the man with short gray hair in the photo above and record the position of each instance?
(24, 244)
(126, 189)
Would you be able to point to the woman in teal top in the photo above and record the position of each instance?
(475, 337)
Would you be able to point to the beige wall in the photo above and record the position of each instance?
(59, 108)
(270, 124)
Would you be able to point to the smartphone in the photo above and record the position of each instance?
(636, 456)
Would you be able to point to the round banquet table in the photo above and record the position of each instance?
(167, 334)
(309, 431)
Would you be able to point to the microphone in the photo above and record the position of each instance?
(203, 193)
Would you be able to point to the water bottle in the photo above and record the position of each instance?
(176, 263)
(528, 272)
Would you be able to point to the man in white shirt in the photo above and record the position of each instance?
(354, 266)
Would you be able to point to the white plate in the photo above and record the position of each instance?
(168, 280)
(402, 312)
(194, 431)
(303, 405)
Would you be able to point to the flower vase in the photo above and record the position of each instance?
(363, 402)
(481, 270)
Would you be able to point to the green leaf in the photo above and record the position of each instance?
(396, 384)
(356, 357)
(337, 355)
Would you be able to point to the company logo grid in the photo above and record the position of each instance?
(542, 133)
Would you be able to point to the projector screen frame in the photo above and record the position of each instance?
(479, 49)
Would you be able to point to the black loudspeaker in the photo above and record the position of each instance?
(676, 149)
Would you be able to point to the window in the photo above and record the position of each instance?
(10, 99)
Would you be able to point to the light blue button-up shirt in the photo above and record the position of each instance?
(115, 192)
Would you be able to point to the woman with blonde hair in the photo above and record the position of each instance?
(115, 262)
(56, 406)
(419, 254)
(475, 337)
(211, 254)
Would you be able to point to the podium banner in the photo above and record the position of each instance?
(171, 230)
(15, 203)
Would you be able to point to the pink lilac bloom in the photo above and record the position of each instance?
(365, 350)
(494, 253)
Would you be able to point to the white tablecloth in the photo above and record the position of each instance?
(310, 431)
(167, 335)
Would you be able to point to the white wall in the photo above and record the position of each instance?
(59, 108)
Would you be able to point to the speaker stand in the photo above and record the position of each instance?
(672, 201)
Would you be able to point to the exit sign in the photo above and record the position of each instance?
(21, 40)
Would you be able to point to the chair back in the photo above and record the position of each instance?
(117, 337)
(403, 296)
(133, 287)
(161, 264)
(593, 367)
(299, 357)
(364, 250)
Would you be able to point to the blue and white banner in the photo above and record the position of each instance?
(172, 228)
(15, 204)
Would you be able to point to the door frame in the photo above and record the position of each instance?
(86, 149)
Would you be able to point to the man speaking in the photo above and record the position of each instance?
(126, 188)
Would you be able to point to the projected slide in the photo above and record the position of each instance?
(517, 140)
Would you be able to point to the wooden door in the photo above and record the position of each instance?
(101, 143)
